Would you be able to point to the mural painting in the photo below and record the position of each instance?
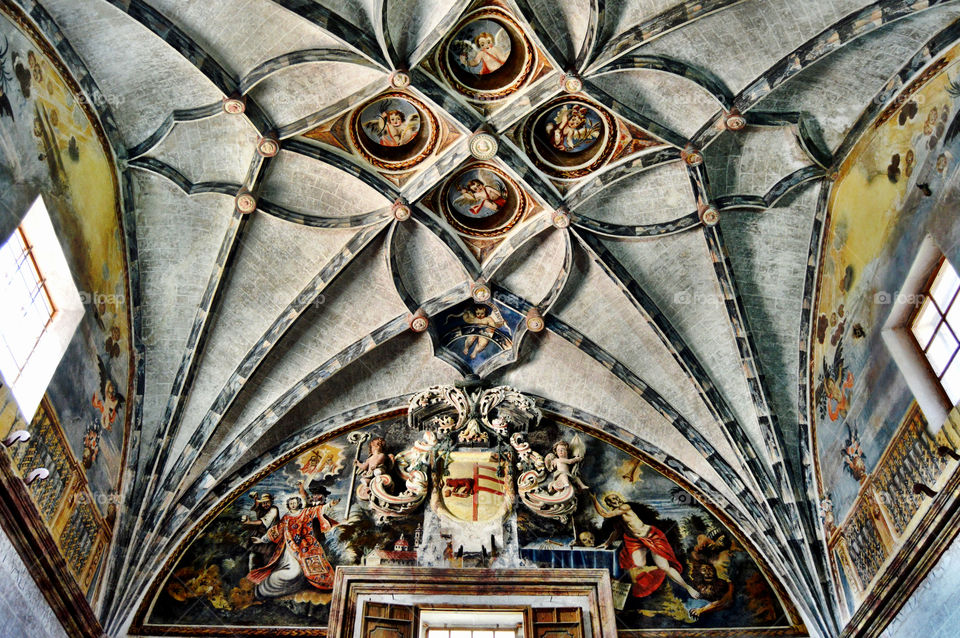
(486, 57)
(394, 131)
(471, 477)
(64, 154)
(899, 184)
(570, 138)
(480, 200)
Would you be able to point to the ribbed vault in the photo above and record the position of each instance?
(256, 330)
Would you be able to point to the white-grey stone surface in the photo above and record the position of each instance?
(23, 609)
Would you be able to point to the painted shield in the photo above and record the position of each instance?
(475, 486)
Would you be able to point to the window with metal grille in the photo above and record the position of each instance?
(27, 309)
(936, 327)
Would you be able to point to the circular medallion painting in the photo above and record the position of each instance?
(394, 131)
(482, 201)
(487, 57)
(481, 47)
(390, 122)
(570, 138)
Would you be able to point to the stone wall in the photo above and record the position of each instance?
(23, 609)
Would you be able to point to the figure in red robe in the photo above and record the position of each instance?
(641, 539)
(299, 559)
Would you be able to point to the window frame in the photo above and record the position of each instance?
(923, 295)
(27, 381)
(473, 630)
(423, 627)
(28, 258)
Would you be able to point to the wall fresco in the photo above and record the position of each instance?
(899, 185)
(468, 479)
(49, 141)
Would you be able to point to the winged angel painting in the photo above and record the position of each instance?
(486, 51)
(489, 319)
(481, 194)
(833, 393)
(391, 122)
(573, 128)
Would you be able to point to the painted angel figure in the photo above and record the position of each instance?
(478, 316)
(483, 195)
(487, 51)
(566, 468)
(108, 401)
(833, 395)
(853, 455)
(377, 462)
(393, 127)
(570, 128)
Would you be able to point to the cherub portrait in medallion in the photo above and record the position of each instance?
(394, 123)
(573, 128)
(486, 51)
(481, 194)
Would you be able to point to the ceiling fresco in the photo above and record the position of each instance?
(625, 210)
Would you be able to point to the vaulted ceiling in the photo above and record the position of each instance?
(258, 331)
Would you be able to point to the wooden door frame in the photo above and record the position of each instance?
(352, 582)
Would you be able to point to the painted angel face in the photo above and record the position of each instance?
(475, 185)
(485, 41)
(395, 118)
(832, 390)
(480, 312)
(35, 69)
(562, 450)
